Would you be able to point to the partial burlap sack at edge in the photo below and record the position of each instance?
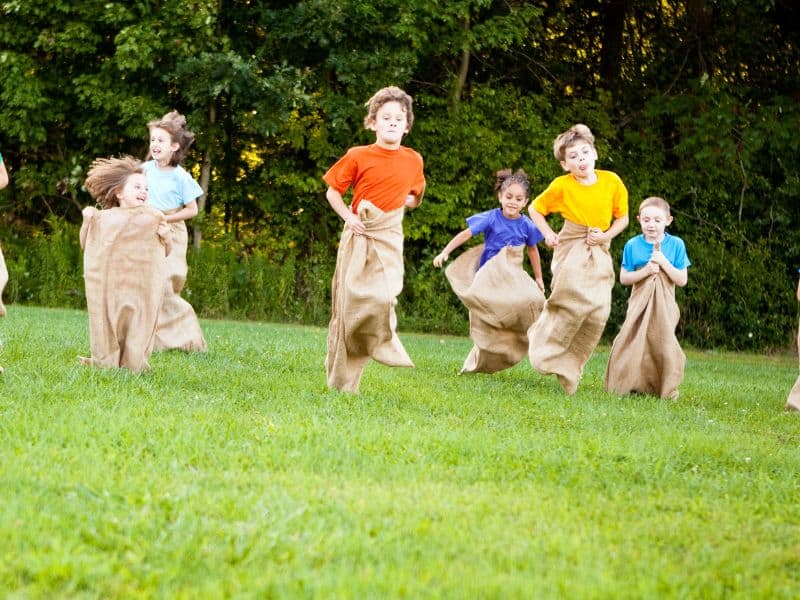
(3, 282)
(366, 283)
(503, 302)
(567, 331)
(178, 327)
(646, 356)
(123, 271)
(793, 401)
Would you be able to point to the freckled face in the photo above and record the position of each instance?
(390, 124)
(653, 220)
(161, 145)
(579, 160)
(512, 200)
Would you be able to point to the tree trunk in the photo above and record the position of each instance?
(205, 178)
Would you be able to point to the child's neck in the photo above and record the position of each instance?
(164, 166)
(658, 239)
(387, 145)
(590, 179)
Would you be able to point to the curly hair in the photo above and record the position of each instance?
(389, 94)
(107, 177)
(575, 134)
(505, 178)
(175, 124)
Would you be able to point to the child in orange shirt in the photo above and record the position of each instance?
(386, 178)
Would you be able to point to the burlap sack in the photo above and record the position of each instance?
(646, 356)
(567, 331)
(793, 401)
(123, 271)
(178, 327)
(503, 303)
(366, 283)
(3, 282)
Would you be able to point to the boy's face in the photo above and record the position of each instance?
(390, 124)
(512, 200)
(134, 192)
(653, 220)
(579, 160)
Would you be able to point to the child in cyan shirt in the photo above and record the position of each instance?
(646, 356)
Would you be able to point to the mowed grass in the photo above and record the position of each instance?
(236, 473)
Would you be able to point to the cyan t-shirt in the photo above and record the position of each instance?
(499, 232)
(637, 252)
(168, 189)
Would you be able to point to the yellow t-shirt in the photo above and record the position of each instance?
(591, 205)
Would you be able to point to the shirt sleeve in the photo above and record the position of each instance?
(680, 259)
(534, 235)
(479, 223)
(190, 189)
(341, 175)
(548, 201)
(627, 256)
(619, 206)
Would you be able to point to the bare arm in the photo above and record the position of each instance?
(536, 264)
(550, 237)
(798, 291)
(678, 276)
(341, 209)
(630, 277)
(188, 211)
(459, 239)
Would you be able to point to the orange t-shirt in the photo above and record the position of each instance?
(384, 177)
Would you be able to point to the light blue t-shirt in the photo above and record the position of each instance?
(499, 232)
(637, 252)
(168, 189)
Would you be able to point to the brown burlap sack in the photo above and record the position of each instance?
(366, 283)
(123, 271)
(178, 327)
(3, 282)
(646, 356)
(503, 303)
(793, 401)
(567, 331)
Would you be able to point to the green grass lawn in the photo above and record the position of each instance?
(236, 473)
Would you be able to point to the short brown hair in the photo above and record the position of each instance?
(107, 177)
(577, 133)
(175, 124)
(655, 201)
(389, 94)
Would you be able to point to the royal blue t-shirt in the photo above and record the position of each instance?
(637, 252)
(499, 232)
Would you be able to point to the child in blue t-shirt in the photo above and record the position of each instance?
(504, 226)
(646, 357)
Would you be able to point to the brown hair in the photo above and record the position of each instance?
(107, 177)
(175, 124)
(573, 135)
(655, 201)
(389, 94)
(505, 178)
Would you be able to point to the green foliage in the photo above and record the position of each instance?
(695, 102)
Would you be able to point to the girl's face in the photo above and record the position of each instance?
(161, 146)
(134, 192)
(512, 200)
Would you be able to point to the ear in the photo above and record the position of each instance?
(668, 220)
(174, 146)
(372, 126)
(564, 165)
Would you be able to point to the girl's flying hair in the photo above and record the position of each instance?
(107, 177)
(505, 178)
